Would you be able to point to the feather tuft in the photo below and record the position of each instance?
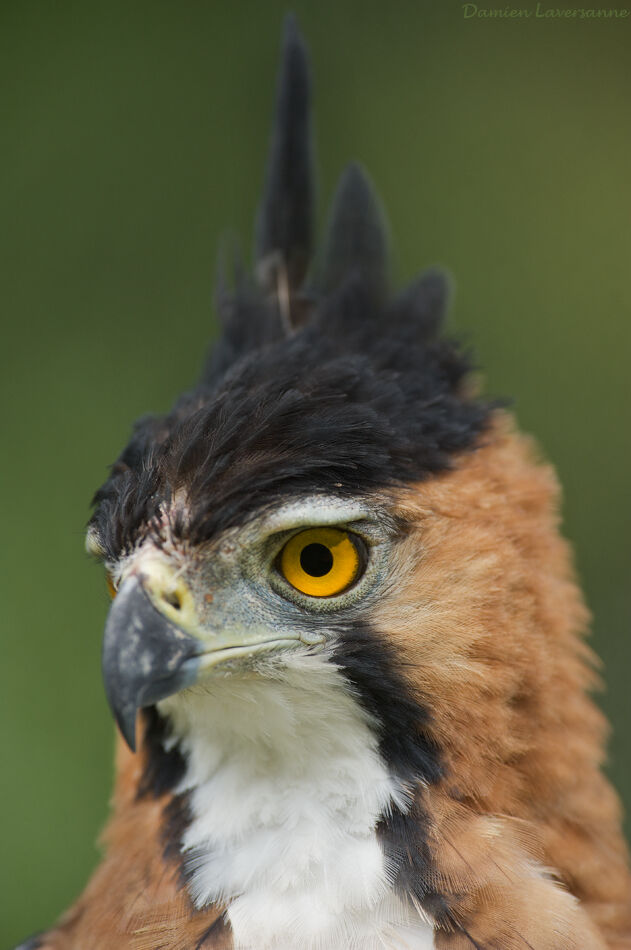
(283, 236)
(424, 302)
(357, 241)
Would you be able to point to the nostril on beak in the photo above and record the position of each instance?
(167, 590)
(173, 599)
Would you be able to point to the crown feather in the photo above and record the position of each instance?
(424, 302)
(356, 242)
(284, 226)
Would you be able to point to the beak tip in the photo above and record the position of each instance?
(126, 723)
(145, 658)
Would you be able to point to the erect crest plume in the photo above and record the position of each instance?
(284, 228)
(356, 242)
(319, 382)
(282, 296)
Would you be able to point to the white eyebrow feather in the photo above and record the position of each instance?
(317, 510)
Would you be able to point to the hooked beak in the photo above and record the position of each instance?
(145, 657)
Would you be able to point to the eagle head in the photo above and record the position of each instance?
(259, 524)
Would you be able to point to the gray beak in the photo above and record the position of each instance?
(145, 657)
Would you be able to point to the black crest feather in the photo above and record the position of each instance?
(334, 388)
(285, 220)
(424, 302)
(356, 242)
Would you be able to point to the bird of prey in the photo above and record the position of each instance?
(345, 650)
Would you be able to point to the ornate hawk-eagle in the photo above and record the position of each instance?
(345, 647)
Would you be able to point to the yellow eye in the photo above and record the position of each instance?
(320, 562)
(110, 586)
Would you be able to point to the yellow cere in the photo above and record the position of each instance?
(320, 562)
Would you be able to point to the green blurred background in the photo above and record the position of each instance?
(133, 137)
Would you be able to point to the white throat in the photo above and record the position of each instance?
(286, 788)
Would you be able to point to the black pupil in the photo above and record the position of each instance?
(316, 560)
